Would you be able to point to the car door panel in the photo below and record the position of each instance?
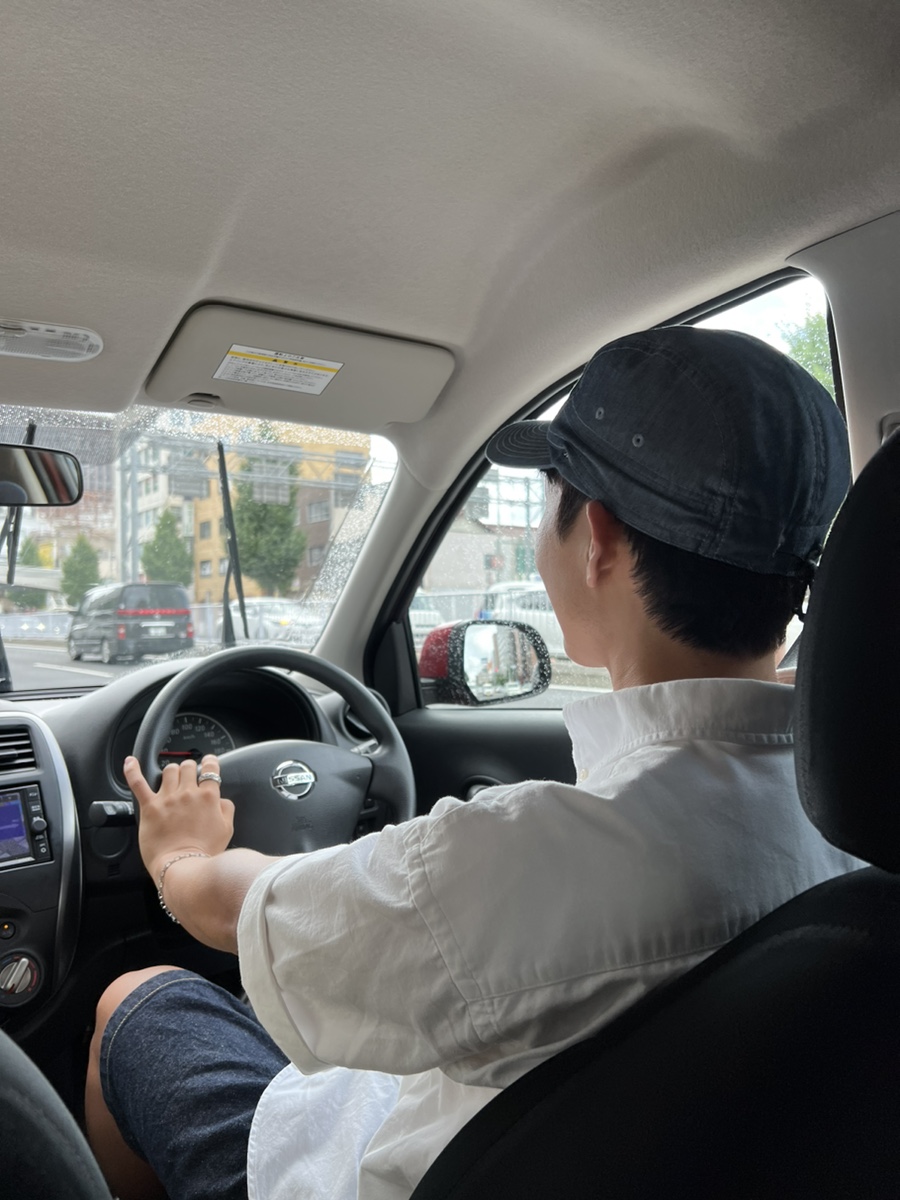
(456, 750)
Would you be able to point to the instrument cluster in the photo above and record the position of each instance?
(194, 734)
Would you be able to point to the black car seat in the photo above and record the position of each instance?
(44, 1155)
(773, 1068)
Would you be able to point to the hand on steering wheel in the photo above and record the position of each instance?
(186, 815)
(292, 795)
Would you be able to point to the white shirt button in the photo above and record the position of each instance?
(582, 775)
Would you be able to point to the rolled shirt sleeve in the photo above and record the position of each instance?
(340, 962)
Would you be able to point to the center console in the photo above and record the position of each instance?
(40, 878)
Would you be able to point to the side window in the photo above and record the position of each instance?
(485, 565)
(91, 603)
(792, 317)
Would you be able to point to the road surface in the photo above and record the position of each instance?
(40, 665)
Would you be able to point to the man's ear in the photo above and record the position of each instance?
(605, 542)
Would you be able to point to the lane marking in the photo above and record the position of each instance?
(75, 670)
(34, 644)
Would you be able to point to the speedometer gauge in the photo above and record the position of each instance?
(192, 736)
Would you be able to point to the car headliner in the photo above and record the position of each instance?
(516, 181)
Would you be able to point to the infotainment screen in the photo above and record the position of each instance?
(14, 841)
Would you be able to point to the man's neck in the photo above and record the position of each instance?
(661, 660)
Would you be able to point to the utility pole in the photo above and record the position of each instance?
(130, 556)
(135, 538)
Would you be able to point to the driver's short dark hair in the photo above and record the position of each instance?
(703, 603)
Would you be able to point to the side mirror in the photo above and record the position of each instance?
(32, 475)
(483, 662)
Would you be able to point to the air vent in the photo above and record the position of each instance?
(16, 749)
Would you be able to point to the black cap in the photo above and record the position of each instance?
(705, 439)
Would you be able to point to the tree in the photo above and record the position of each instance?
(270, 545)
(81, 570)
(166, 557)
(25, 597)
(810, 346)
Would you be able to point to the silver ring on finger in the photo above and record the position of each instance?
(209, 777)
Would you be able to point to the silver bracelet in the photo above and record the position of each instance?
(162, 876)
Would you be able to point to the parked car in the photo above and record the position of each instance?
(423, 617)
(267, 618)
(528, 602)
(129, 620)
(271, 619)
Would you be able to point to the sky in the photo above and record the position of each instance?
(762, 316)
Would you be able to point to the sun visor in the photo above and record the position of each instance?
(264, 365)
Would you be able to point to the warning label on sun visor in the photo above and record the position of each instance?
(273, 369)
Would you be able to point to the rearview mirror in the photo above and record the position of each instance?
(32, 475)
(483, 662)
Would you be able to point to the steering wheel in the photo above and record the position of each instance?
(293, 796)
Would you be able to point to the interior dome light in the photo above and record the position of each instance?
(55, 343)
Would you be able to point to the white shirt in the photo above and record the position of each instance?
(413, 973)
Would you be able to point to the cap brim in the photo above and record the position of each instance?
(522, 444)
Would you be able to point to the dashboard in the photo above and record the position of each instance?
(68, 881)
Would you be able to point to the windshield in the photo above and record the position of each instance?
(138, 568)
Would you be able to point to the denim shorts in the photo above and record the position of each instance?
(183, 1065)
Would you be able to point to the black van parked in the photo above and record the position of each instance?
(129, 620)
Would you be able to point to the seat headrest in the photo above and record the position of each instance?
(848, 673)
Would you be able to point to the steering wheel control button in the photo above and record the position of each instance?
(111, 812)
(19, 979)
(293, 779)
(38, 824)
(7, 930)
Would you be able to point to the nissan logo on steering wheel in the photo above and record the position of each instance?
(293, 780)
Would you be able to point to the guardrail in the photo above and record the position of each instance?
(440, 606)
(46, 626)
(207, 619)
(36, 626)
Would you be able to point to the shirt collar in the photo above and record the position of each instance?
(607, 725)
